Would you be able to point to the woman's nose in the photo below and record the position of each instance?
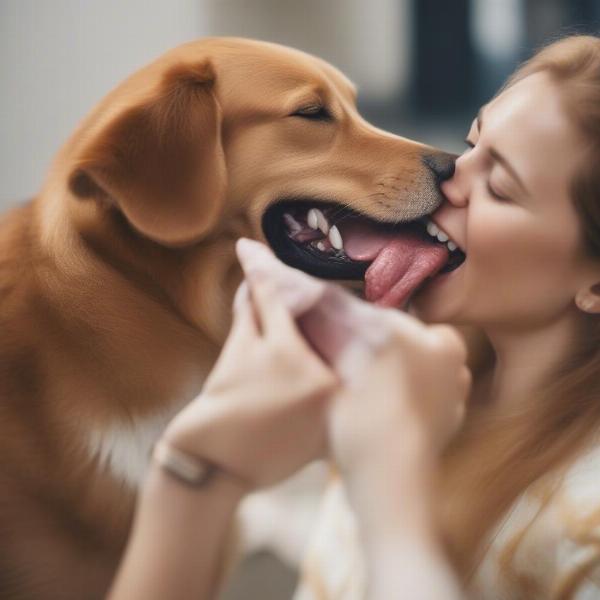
(454, 188)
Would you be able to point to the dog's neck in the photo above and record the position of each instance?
(103, 326)
(99, 345)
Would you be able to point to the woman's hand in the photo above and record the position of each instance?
(407, 398)
(387, 427)
(401, 378)
(402, 393)
(262, 413)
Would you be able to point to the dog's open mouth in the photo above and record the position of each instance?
(333, 242)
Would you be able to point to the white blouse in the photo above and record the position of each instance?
(546, 548)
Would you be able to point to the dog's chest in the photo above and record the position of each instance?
(123, 448)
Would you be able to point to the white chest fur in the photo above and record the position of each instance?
(124, 448)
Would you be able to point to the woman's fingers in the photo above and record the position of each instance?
(449, 339)
(297, 291)
(270, 311)
(245, 324)
(274, 318)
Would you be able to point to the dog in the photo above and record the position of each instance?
(117, 278)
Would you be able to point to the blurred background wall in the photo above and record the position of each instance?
(423, 67)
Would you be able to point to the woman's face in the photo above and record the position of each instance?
(508, 208)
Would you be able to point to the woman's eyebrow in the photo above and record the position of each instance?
(499, 157)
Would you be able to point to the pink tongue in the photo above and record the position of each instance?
(401, 261)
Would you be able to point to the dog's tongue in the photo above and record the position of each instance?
(401, 260)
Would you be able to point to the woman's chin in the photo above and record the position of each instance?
(437, 301)
(432, 309)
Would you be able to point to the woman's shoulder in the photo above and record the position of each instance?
(580, 486)
(549, 542)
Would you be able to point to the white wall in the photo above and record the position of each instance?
(369, 40)
(59, 57)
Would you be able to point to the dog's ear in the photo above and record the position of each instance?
(161, 161)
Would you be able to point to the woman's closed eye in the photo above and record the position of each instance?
(495, 194)
(499, 185)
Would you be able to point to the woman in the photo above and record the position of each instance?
(520, 501)
(525, 202)
(520, 493)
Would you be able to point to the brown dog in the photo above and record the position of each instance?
(116, 281)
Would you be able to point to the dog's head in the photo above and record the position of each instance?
(228, 137)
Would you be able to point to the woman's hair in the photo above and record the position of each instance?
(494, 459)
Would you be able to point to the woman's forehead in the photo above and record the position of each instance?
(532, 107)
(528, 124)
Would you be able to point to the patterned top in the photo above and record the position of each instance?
(547, 546)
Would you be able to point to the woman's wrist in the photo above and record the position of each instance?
(175, 467)
(166, 487)
(194, 526)
(394, 488)
(405, 454)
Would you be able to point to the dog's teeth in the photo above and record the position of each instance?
(313, 219)
(335, 237)
(432, 228)
(321, 246)
(452, 246)
(442, 236)
(322, 221)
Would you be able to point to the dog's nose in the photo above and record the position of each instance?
(442, 165)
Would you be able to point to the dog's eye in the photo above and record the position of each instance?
(315, 112)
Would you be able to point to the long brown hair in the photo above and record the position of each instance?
(496, 458)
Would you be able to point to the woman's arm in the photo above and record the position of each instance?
(261, 416)
(387, 428)
(178, 546)
(394, 504)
